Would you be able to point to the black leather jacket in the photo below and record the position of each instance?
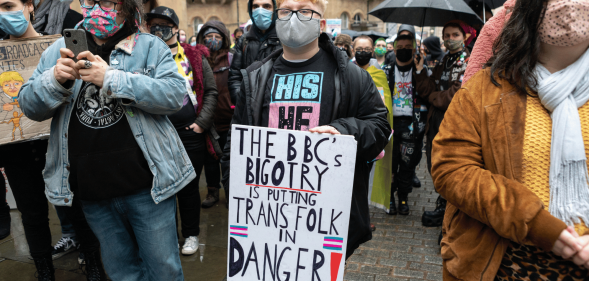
(248, 50)
(358, 110)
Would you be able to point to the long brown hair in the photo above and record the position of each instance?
(517, 48)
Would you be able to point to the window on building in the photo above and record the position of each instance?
(196, 22)
(345, 20)
(357, 18)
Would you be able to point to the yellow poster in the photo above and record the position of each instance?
(380, 184)
(18, 61)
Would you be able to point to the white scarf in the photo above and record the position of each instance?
(562, 93)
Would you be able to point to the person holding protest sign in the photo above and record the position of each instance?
(346, 102)
(24, 162)
(110, 135)
(195, 120)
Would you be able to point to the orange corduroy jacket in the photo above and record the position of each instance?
(477, 166)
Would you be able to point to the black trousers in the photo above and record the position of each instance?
(189, 196)
(212, 167)
(26, 181)
(4, 208)
(406, 154)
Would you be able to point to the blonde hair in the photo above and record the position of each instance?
(10, 76)
(321, 3)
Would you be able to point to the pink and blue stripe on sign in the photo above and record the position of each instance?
(333, 243)
(236, 230)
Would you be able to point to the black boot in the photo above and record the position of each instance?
(4, 225)
(45, 269)
(93, 266)
(392, 206)
(226, 197)
(403, 207)
(416, 182)
(435, 217)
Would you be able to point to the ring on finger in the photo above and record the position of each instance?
(87, 64)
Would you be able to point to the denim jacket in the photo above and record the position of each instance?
(144, 76)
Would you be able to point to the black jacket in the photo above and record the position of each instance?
(248, 50)
(358, 110)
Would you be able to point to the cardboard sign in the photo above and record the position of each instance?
(18, 61)
(289, 204)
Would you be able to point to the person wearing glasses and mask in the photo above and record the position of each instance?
(109, 134)
(259, 42)
(345, 100)
(194, 120)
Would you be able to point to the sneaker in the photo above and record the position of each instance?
(190, 246)
(63, 246)
(212, 198)
(81, 260)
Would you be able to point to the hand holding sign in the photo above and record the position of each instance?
(325, 130)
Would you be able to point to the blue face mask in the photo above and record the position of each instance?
(14, 23)
(262, 18)
(193, 44)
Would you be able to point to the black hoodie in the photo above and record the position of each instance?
(252, 46)
(436, 55)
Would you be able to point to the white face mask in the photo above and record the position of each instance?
(295, 33)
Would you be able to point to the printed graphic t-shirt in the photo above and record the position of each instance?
(105, 159)
(403, 91)
(299, 96)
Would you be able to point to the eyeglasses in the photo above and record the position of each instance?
(364, 50)
(103, 4)
(303, 15)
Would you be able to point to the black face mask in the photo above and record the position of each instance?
(162, 31)
(404, 55)
(363, 58)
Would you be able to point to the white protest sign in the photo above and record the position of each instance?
(289, 204)
(334, 26)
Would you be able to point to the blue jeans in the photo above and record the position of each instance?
(138, 238)
(67, 229)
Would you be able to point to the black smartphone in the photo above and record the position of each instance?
(75, 40)
(418, 56)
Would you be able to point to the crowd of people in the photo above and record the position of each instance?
(504, 149)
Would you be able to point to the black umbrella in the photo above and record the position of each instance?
(493, 4)
(372, 34)
(425, 12)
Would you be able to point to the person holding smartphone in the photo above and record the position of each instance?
(111, 142)
(23, 164)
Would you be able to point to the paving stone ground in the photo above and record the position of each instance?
(401, 248)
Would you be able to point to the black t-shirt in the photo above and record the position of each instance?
(105, 159)
(445, 79)
(183, 119)
(299, 96)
